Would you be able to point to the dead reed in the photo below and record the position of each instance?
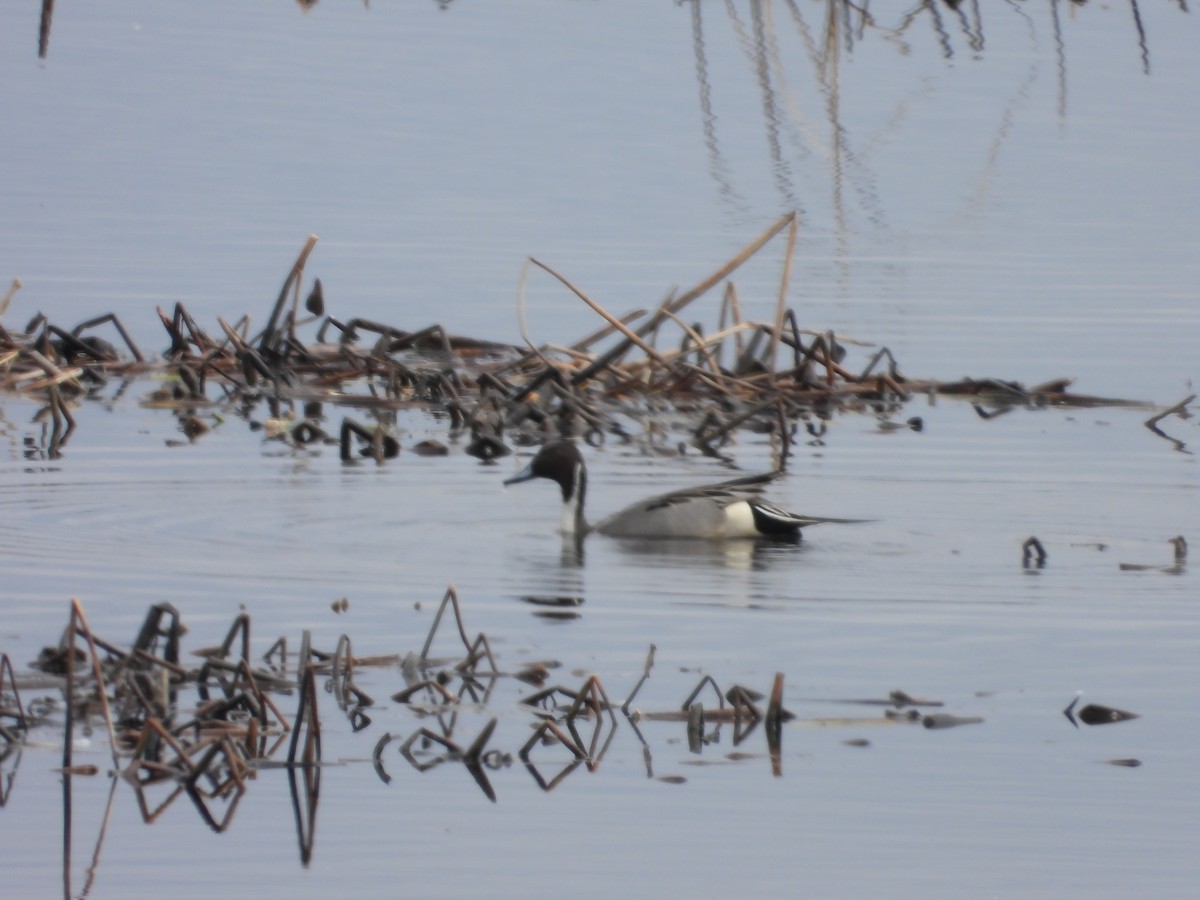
(205, 730)
(719, 377)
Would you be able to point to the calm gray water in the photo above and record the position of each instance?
(1009, 197)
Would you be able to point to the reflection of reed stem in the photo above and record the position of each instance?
(44, 28)
(1141, 31)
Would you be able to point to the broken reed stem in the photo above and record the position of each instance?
(781, 305)
(1031, 548)
(716, 716)
(775, 706)
(77, 615)
(698, 345)
(522, 326)
(310, 729)
(684, 371)
(600, 334)
(129, 342)
(69, 713)
(634, 370)
(601, 311)
(9, 678)
(675, 304)
(645, 675)
(268, 334)
(731, 309)
(573, 355)
(1170, 410)
(8, 295)
(95, 866)
(730, 267)
(44, 364)
(450, 597)
(734, 423)
(198, 335)
(475, 752)
(832, 369)
(231, 333)
(71, 375)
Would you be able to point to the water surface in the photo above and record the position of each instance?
(1000, 192)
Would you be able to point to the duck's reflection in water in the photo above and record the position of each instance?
(750, 554)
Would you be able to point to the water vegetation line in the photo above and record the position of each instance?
(776, 377)
(210, 728)
(213, 728)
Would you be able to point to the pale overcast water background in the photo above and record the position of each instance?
(1005, 190)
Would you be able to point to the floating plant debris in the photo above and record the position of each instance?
(203, 730)
(1033, 554)
(945, 720)
(1179, 409)
(539, 600)
(1181, 548)
(1095, 714)
(772, 377)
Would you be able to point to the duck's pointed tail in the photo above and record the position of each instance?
(771, 519)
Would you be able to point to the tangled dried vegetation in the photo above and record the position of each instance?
(769, 376)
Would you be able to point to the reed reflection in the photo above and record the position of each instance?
(746, 555)
(786, 52)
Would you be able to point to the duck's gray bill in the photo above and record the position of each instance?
(526, 474)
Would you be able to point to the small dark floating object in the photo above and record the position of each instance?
(901, 699)
(910, 715)
(913, 424)
(389, 444)
(936, 721)
(53, 660)
(306, 432)
(377, 757)
(557, 615)
(79, 770)
(315, 303)
(535, 674)
(671, 779)
(553, 601)
(192, 427)
(430, 448)
(1031, 548)
(1127, 763)
(743, 694)
(487, 447)
(1094, 714)
(857, 742)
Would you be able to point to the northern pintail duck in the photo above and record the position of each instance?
(730, 509)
